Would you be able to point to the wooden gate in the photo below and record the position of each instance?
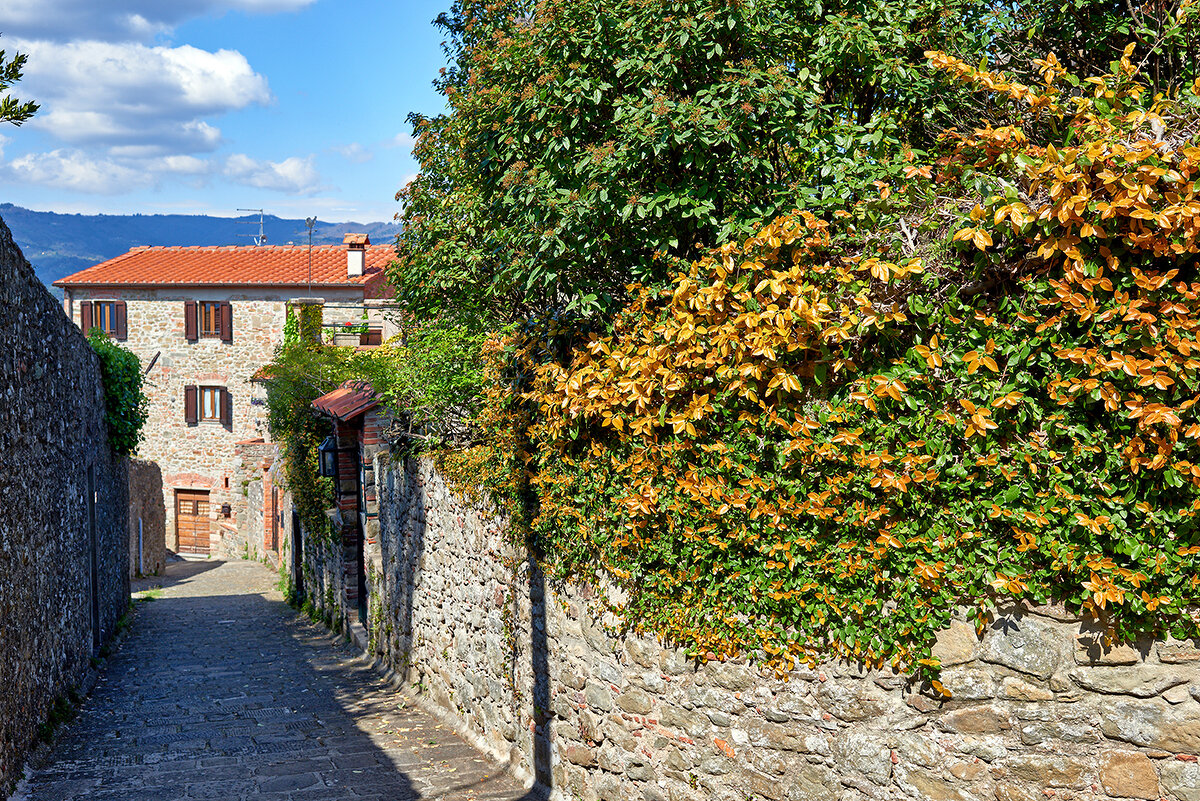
(191, 521)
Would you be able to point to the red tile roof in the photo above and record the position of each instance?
(347, 401)
(235, 266)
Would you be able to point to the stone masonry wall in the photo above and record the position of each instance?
(52, 436)
(1039, 710)
(203, 456)
(147, 515)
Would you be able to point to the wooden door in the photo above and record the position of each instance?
(191, 521)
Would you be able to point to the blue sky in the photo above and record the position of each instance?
(206, 106)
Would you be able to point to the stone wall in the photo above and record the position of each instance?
(147, 519)
(1040, 708)
(63, 498)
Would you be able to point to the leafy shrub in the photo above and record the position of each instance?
(125, 405)
(825, 439)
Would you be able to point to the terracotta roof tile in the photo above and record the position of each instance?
(270, 265)
(347, 401)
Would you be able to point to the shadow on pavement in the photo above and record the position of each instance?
(221, 692)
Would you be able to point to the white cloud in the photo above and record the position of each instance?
(74, 170)
(297, 176)
(134, 96)
(402, 140)
(354, 152)
(119, 20)
(4, 140)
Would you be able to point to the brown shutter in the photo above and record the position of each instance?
(85, 316)
(190, 329)
(120, 321)
(191, 405)
(226, 408)
(227, 322)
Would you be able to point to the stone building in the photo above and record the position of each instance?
(203, 320)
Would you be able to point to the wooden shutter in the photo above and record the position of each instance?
(191, 405)
(227, 322)
(85, 316)
(226, 408)
(119, 323)
(191, 331)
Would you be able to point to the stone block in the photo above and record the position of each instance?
(634, 701)
(1014, 792)
(968, 771)
(984, 719)
(957, 644)
(863, 752)
(854, 700)
(931, 787)
(970, 683)
(1090, 649)
(1026, 644)
(1175, 652)
(1181, 779)
(580, 755)
(812, 783)
(1021, 690)
(1152, 723)
(1047, 771)
(1143, 681)
(598, 696)
(1128, 774)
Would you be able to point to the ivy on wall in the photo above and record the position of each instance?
(125, 405)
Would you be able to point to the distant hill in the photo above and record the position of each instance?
(61, 244)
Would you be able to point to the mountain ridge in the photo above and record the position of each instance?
(58, 245)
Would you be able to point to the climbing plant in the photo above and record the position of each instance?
(125, 404)
(975, 388)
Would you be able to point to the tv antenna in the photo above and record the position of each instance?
(310, 222)
(261, 237)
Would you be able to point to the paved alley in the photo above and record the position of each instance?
(220, 690)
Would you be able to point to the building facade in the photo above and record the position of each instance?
(203, 320)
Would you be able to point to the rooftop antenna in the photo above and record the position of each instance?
(261, 237)
(310, 222)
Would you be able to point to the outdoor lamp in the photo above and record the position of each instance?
(327, 453)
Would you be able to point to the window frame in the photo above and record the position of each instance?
(214, 308)
(218, 396)
(99, 309)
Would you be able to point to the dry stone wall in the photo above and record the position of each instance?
(1040, 709)
(63, 498)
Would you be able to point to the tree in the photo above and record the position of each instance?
(11, 109)
(591, 144)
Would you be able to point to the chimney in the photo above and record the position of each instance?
(356, 254)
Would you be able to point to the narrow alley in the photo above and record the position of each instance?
(220, 690)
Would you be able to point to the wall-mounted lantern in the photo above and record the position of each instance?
(226, 510)
(327, 453)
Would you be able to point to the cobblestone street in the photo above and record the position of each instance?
(220, 690)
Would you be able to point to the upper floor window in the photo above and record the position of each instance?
(107, 315)
(207, 405)
(210, 404)
(208, 318)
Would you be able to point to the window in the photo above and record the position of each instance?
(210, 318)
(207, 405)
(210, 404)
(107, 315)
(105, 312)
